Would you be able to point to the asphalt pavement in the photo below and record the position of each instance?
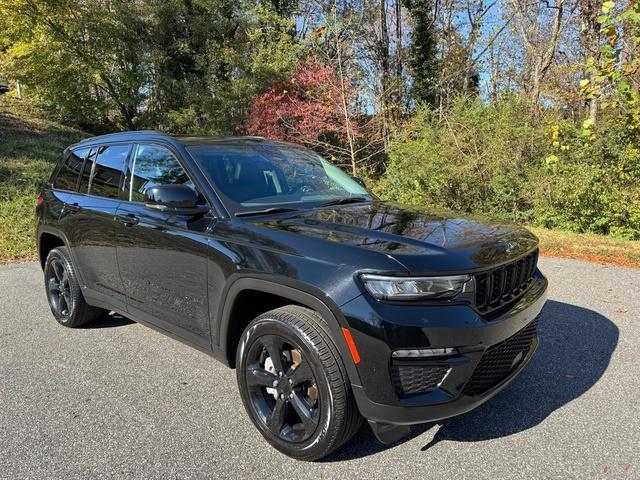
(119, 400)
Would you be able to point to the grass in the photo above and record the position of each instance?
(31, 143)
(589, 247)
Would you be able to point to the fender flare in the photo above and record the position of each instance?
(42, 229)
(297, 292)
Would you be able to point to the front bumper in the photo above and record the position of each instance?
(380, 328)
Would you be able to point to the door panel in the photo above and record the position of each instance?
(163, 258)
(163, 265)
(90, 226)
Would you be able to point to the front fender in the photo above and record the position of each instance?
(295, 291)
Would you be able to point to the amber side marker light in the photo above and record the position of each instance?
(352, 345)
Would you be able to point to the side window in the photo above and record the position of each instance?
(154, 165)
(108, 170)
(67, 178)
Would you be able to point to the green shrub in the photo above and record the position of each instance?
(499, 160)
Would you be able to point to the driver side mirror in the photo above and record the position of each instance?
(360, 180)
(174, 199)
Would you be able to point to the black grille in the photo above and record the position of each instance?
(416, 379)
(499, 360)
(497, 287)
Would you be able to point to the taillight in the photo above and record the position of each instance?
(40, 200)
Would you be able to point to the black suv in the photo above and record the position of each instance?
(332, 305)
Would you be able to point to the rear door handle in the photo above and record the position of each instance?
(129, 220)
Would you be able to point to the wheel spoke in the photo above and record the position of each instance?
(259, 376)
(304, 411)
(58, 270)
(62, 302)
(302, 373)
(276, 418)
(65, 278)
(67, 300)
(53, 285)
(274, 349)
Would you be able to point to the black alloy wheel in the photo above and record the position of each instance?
(58, 289)
(63, 291)
(282, 388)
(294, 385)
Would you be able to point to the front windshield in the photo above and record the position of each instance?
(259, 176)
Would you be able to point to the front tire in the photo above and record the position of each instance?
(63, 291)
(294, 385)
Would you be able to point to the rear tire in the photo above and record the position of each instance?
(63, 291)
(294, 385)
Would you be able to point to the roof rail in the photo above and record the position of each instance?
(115, 134)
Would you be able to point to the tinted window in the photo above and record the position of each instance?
(108, 170)
(154, 165)
(67, 178)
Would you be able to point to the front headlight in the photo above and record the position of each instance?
(414, 288)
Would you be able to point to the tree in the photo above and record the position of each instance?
(540, 41)
(614, 80)
(86, 59)
(422, 57)
(307, 108)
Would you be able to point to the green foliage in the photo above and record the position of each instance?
(616, 82)
(495, 160)
(83, 59)
(216, 62)
(423, 51)
(179, 66)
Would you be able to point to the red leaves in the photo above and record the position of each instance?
(306, 107)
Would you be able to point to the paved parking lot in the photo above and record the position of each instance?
(119, 400)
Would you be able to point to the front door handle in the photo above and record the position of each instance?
(129, 220)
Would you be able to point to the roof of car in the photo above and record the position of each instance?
(184, 140)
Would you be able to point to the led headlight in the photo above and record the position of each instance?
(414, 288)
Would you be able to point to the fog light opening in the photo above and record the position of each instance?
(424, 352)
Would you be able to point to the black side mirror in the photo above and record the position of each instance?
(360, 181)
(174, 200)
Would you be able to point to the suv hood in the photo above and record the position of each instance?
(420, 240)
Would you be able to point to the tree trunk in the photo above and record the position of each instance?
(383, 51)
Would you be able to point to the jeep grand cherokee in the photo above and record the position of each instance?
(333, 306)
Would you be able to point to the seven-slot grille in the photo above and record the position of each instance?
(500, 360)
(496, 287)
(409, 379)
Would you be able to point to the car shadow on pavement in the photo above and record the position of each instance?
(109, 320)
(575, 348)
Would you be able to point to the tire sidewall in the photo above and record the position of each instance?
(273, 326)
(59, 254)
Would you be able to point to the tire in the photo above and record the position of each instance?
(63, 291)
(319, 384)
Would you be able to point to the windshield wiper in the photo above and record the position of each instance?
(345, 201)
(248, 213)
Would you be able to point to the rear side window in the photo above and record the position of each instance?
(67, 178)
(154, 165)
(108, 170)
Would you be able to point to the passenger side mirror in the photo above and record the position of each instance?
(360, 181)
(174, 199)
